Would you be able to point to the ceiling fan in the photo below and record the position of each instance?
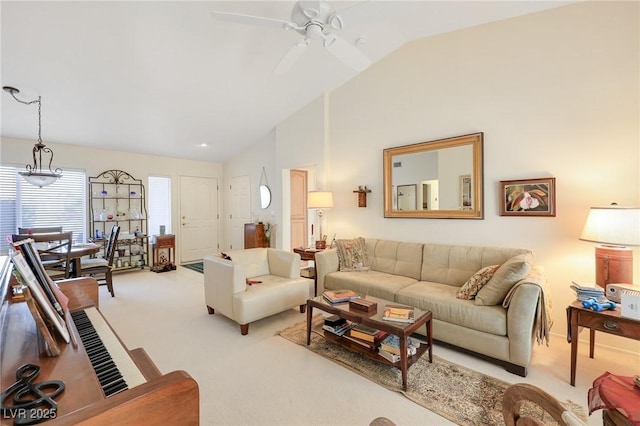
(315, 20)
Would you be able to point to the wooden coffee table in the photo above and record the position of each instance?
(374, 319)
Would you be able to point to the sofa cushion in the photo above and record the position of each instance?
(503, 279)
(398, 258)
(353, 255)
(454, 265)
(441, 300)
(469, 289)
(370, 283)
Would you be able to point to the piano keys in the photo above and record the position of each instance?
(112, 364)
(90, 397)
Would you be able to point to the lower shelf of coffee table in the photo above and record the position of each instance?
(372, 353)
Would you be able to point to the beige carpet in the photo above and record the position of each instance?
(457, 393)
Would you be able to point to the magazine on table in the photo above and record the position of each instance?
(397, 313)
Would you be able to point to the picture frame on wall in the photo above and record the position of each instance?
(528, 197)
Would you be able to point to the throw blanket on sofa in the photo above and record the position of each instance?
(544, 321)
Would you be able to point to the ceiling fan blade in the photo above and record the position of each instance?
(252, 20)
(345, 52)
(291, 56)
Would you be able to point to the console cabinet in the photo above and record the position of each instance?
(117, 198)
(254, 235)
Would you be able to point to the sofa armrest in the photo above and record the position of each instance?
(222, 279)
(326, 262)
(522, 315)
(283, 263)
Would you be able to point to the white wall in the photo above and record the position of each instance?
(301, 144)
(250, 163)
(94, 161)
(556, 94)
(296, 143)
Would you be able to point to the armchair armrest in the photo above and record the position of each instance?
(283, 263)
(326, 262)
(222, 279)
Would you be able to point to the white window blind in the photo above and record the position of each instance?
(159, 204)
(61, 204)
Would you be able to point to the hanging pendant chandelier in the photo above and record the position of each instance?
(34, 174)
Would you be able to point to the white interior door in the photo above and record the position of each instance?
(198, 218)
(406, 197)
(240, 209)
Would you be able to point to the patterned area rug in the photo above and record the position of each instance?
(198, 267)
(459, 394)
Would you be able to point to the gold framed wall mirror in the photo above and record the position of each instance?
(447, 175)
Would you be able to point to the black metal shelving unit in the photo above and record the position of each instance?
(117, 198)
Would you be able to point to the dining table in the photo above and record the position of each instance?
(77, 252)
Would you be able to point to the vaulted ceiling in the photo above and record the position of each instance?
(165, 77)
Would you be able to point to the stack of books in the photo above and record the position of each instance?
(339, 296)
(368, 334)
(368, 338)
(336, 325)
(588, 291)
(390, 347)
(398, 313)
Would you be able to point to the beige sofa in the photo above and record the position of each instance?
(429, 276)
(277, 285)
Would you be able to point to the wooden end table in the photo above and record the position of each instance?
(163, 242)
(606, 321)
(374, 319)
(310, 255)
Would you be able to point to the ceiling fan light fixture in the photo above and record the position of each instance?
(34, 173)
(314, 31)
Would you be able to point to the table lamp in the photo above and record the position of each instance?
(320, 200)
(615, 228)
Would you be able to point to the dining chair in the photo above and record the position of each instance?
(40, 230)
(54, 249)
(102, 268)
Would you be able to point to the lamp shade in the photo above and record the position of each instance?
(319, 200)
(613, 225)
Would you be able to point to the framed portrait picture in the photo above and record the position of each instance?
(528, 197)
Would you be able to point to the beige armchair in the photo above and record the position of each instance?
(277, 285)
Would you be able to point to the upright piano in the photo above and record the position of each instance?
(147, 396)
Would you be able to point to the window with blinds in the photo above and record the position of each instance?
(24, 205)
(159, 191)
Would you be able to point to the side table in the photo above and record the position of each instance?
(163, 242)
(310, 255)
(606, 321)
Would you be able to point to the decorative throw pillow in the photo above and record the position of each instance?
(509, 273)
(352, 255)
(469, 289)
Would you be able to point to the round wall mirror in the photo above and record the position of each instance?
(265, 196)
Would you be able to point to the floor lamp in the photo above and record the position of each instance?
(615, 228)
(320, 200)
